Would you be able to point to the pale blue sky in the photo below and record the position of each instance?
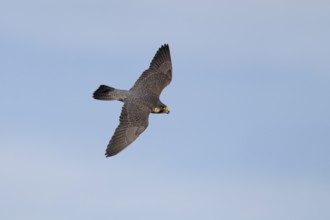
(248, 136)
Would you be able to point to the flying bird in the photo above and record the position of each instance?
(141, 100)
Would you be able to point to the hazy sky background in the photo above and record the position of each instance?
(248, 136)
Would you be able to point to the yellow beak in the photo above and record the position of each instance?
(166, 109)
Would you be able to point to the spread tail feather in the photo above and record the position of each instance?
(109, 93)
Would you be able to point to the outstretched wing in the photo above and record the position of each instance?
(159, 74)
(133, 121)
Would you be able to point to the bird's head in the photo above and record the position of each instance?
(161, 109)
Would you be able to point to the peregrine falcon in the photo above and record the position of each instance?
(141, 100)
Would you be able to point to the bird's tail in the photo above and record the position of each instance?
(109, 93)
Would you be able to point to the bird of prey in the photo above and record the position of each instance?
(141, 100)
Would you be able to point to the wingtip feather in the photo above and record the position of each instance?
(163, 54)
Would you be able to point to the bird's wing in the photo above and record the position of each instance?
(133, 121)
(159, 74)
